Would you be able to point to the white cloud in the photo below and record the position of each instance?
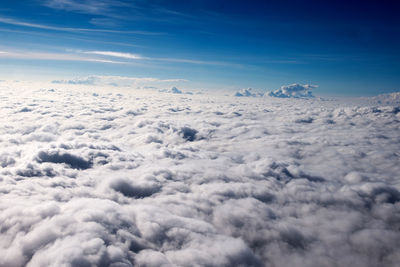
(175, 90)
(136, 56)
(24, 55)
(196, 62)
(30, 25)
(120, 177)
(384, 99)
(78, 55)
(95, 7)
(294, 91)
(116, 80)
(247, 92)
(115, 54)
(86, 6)
(11, 21)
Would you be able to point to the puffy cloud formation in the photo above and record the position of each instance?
(294, 90)
(384, 99)
(247, 92)
(174, 90)
(138, 178)
(90, 80)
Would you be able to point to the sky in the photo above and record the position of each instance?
(344, 47)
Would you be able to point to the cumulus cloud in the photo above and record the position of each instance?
(174, 90)
(247, 92)
(294, 91)
(115, 177)
(384, 99)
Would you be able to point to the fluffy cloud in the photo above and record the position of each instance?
(118, 177)
(174, 90)
(247, 92)
(91, 80)
(384, 99)
(293, 91)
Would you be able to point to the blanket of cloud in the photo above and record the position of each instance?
(120, 177)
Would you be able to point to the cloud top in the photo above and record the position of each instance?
(116, 177)
(293, 91)
(249, 92)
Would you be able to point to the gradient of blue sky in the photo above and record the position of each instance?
(345, 47)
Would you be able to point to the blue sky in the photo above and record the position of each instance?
(345, 47)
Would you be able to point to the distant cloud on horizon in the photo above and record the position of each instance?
(293, 91)
(119, 81)
(249, 92)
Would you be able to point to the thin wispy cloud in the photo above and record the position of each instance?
(70, 37)
(191, 61)
(115, 54)
(23, 55)
(113, 11)
(172, 60)
(94, 7)
(100, 56)
(70, 29)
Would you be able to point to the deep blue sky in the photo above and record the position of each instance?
(345, 47)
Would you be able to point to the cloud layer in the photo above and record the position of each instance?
(140, 178)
